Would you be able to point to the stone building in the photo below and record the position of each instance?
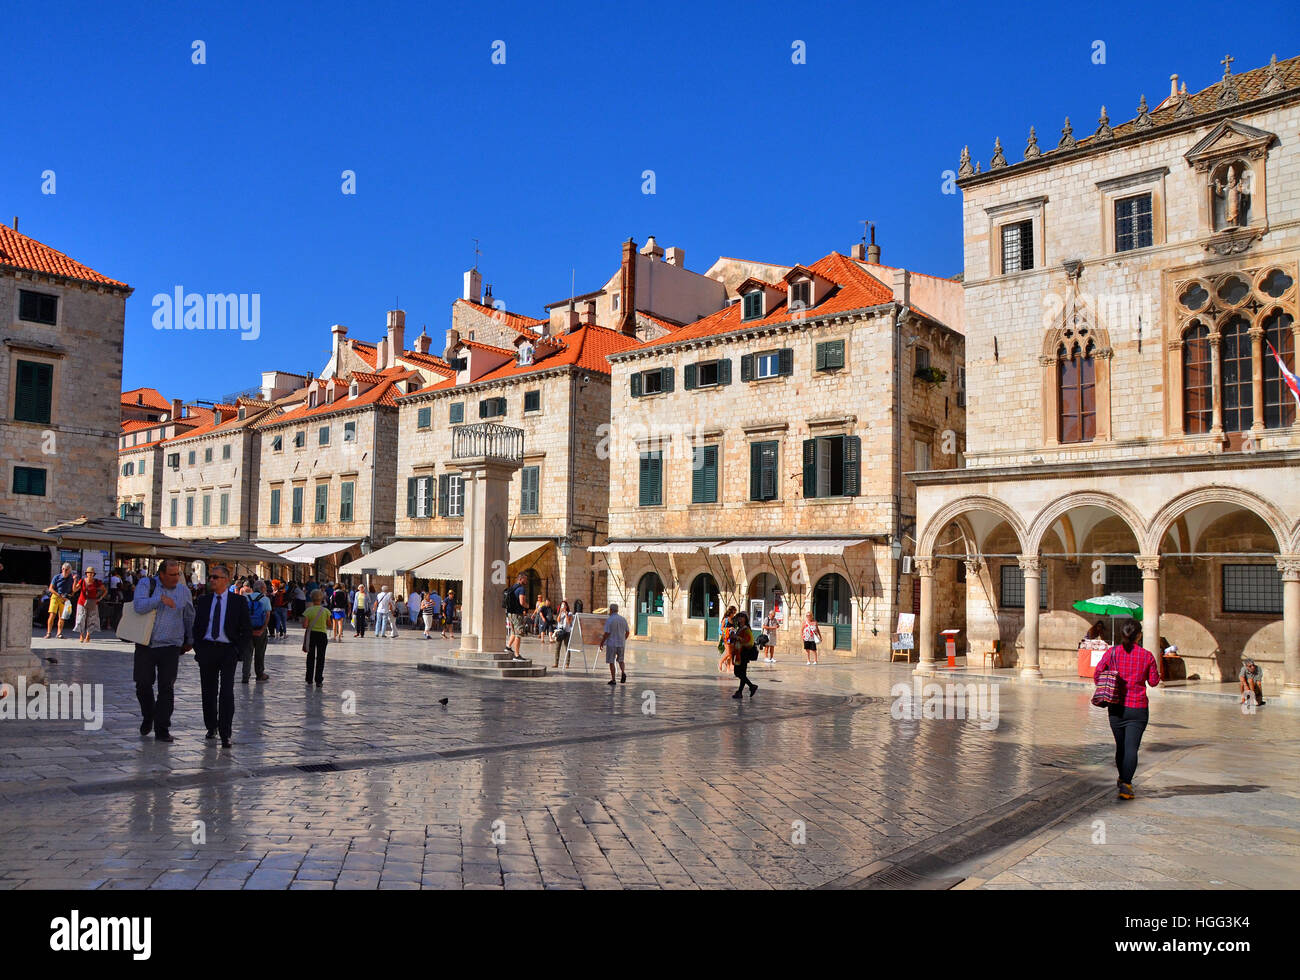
(327, 471)
(757, 455)
(1125, 291)
(144, 405)
(140, 458)
(554, 387)
(60, 366)
(210, 474)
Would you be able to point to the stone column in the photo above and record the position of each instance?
(1216, 392)
(1150, 566)
(1031, 565)
(16, 657)
(1289, 566)
(487, 552)
(927, 659)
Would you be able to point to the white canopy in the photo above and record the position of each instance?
(621, 548)
(451, 564)
(307, 553)
(824, 547)
(677, 547)
(398, 556)
(747, 547)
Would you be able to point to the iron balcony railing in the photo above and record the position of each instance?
(487, 439)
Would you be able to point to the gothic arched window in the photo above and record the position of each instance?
(1077, 393)
(1279, 403)
(1198, 394)
(1235, 356)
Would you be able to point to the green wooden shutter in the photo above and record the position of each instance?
(785, 361)
(835, 354)
(767, 464)
(755, 469)
(810, 467)
(528, 503)
(688, 377)
(711, 474)
(636, 385)
(821, 357)
(651, 472)
(852, 465)
(747, 367)
(444, 484)
(698, 462)
(457, 413)
(410, 496)
(483, 408)
(35, 392)
(666, 376)
(345, 501)
(724, 371)
(422, 418)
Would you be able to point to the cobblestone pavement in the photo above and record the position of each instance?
(564, 782)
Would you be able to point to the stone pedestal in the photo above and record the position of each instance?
(487, 552)
(16, 657)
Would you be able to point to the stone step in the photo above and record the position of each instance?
(481, 659)
(448, 665)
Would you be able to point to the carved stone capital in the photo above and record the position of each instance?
(1030, 564)
(974, 566)
(1150, 565)
(1289, 566)
(1046, 360)
(1175, 344)
(924, 566)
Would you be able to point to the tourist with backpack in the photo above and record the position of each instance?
(1122, 677)
(516, 604)
(259, 616)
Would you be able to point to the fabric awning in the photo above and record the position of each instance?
(834, 546)
(307, 553)
(280, 547)
(747, 547)
(14, 531)
(519, 550)
(621, 548)
(448, 565)
(677, 547)
(398, 556)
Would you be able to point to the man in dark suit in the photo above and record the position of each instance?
(223, 633)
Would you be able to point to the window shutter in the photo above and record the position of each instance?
(35, 392)
(755, 471)
(688, 377)
(767, 476)
(785, 361)
(410, 496)
(724, 371)
(852, 465)
(747, 367)
(457, 413)
(636, 385)
(651, 473)
(821, 357)
(835, 354)
(444, 488)
(711, 474)
(810, 464)
(666, 376)
(699, 460)
(483, 408)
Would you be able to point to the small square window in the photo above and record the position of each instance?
(830, 355)
(767, 365)
(277, 444)
(532, 401)
(38, 307)
(1133, 223)
(300, 439)
(456, 413)
(423, 418)
(707, 374)
(1017, 247)
(349, 432)
(323, 439)
(652, 383)
(753, 308)
(29, 480)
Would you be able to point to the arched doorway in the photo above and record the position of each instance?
(649, 601)
(704, 604)
(532, 587)
(766, 588)
(833, 607)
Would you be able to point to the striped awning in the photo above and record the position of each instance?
(758, 547)
(678, 547)
(832, 546)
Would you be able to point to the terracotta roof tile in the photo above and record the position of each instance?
(515, 321)
(17, 251)
(148, 398)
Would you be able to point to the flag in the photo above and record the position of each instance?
(1288, 376)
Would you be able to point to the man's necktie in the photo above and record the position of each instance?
(216, 619)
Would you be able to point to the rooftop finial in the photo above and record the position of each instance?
(1104, 132)
(964, 169)
(1032, 152)
(1227, 85)
(999, 159)
(1272, 79)
(1067, 136)
(1143, 120)
(1184, 110)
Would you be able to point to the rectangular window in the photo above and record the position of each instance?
(801, 296)
(189, 511)
(529, 497)
(35, 392)
(300, 439)
(1122, 579)
(920, 455)
(323, 437)
(652, 382)
(651, 479)
(763, 470)
(456, 413)
(424, 418)
(275, 505)
(346, 490)
(207, 509)
(451, 495)
(173, 509)
(1133, 223)
(753, 308)
(704, 474)
(768, 365)
(830, 355)
(532, 401)
(1017, 246)
(1012, 595)
(706, 374)
(491, 408)
(296, 516)
(38, 307)
(349, 432)
(831, 466)
(277, 444)
(174, 460)
(922, 359)
(224, 510)
(225, 451)
(29, 480)
(1252, 589)
(191, 457)
(140, 469)
(207, 455)
(322, 503)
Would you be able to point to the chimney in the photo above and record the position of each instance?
(381, 354)
(627, 290)
(1173, 86)
(396, 335)
(453, 338)
(340, 334)
(859, 251)
(422, 341)
(473, 286)
(902, 283)
(487, 295)
(873, 250)
(177, 407)
(652, 249)
(590, 315)
(571, 318)
(675, 256)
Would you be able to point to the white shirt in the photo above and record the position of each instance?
(220, 603)
(616, 627)
(385, 604)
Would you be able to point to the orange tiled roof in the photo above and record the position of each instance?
(367, 352)
(382, 393)
(135, 425)
(428, 361)
(515, 321)
(669, 325)
(584, 347)
(856, 290)
(17, 251)
(149, 398)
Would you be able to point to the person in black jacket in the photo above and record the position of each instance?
(223, 635)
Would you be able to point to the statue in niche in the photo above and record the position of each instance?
(1231, 198)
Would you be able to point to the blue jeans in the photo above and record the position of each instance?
(280, 613)
(383, 623)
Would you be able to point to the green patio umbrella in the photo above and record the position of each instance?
(1110, 605)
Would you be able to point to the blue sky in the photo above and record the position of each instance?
(226, 177)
